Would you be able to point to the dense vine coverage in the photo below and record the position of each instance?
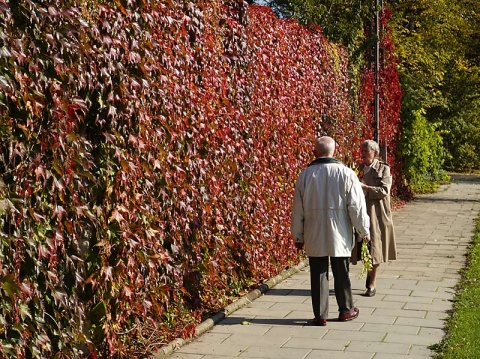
(148, 157)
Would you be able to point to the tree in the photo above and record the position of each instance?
(342, 21)
(460, 120)
(437, 43)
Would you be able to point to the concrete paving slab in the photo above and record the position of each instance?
(391, 328)
(378, 347)
(412, 339)
(401, 313)
(327, 354)
(394, 356)
(278, 353)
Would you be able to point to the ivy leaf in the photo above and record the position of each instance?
(25, 311)
(9, 285)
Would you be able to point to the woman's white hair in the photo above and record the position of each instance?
(372, 145)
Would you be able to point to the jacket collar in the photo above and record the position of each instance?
(375, 165)
(322, 160)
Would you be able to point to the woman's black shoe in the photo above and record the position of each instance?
(370, 292)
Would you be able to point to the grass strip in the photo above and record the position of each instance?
(462, 339)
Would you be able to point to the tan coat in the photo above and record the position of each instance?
(382, 235)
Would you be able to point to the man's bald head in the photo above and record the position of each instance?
(324, 147)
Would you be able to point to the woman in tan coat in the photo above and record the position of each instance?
(376, 184)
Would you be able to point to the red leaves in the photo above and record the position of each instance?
(390, 103)
(155, 149)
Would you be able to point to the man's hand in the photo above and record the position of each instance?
(299, 245)
(366, 239)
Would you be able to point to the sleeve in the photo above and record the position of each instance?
(298, 217)
(357, 209)
(382, 184)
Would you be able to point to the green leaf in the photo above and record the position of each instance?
(98, 312)
(25, 311)
(9, 285)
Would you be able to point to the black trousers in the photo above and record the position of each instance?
(320, 287)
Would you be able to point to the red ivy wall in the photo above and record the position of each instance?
(149, 152)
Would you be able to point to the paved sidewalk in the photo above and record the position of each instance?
(406, 316)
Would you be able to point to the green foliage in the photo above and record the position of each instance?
(341, 21)
(463, 138)
(459, 119)
(420, 29)
(437, 44)
(423, 154)
(461, 123)
(462, 329)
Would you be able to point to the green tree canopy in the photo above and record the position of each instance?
(438, 46)
(342, 21)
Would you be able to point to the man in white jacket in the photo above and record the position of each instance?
(328, 204)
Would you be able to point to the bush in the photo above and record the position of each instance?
(424, 155)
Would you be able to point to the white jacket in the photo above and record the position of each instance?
(327, 205)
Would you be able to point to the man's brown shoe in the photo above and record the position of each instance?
(349, 316)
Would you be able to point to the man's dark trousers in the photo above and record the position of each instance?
(320, 288)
